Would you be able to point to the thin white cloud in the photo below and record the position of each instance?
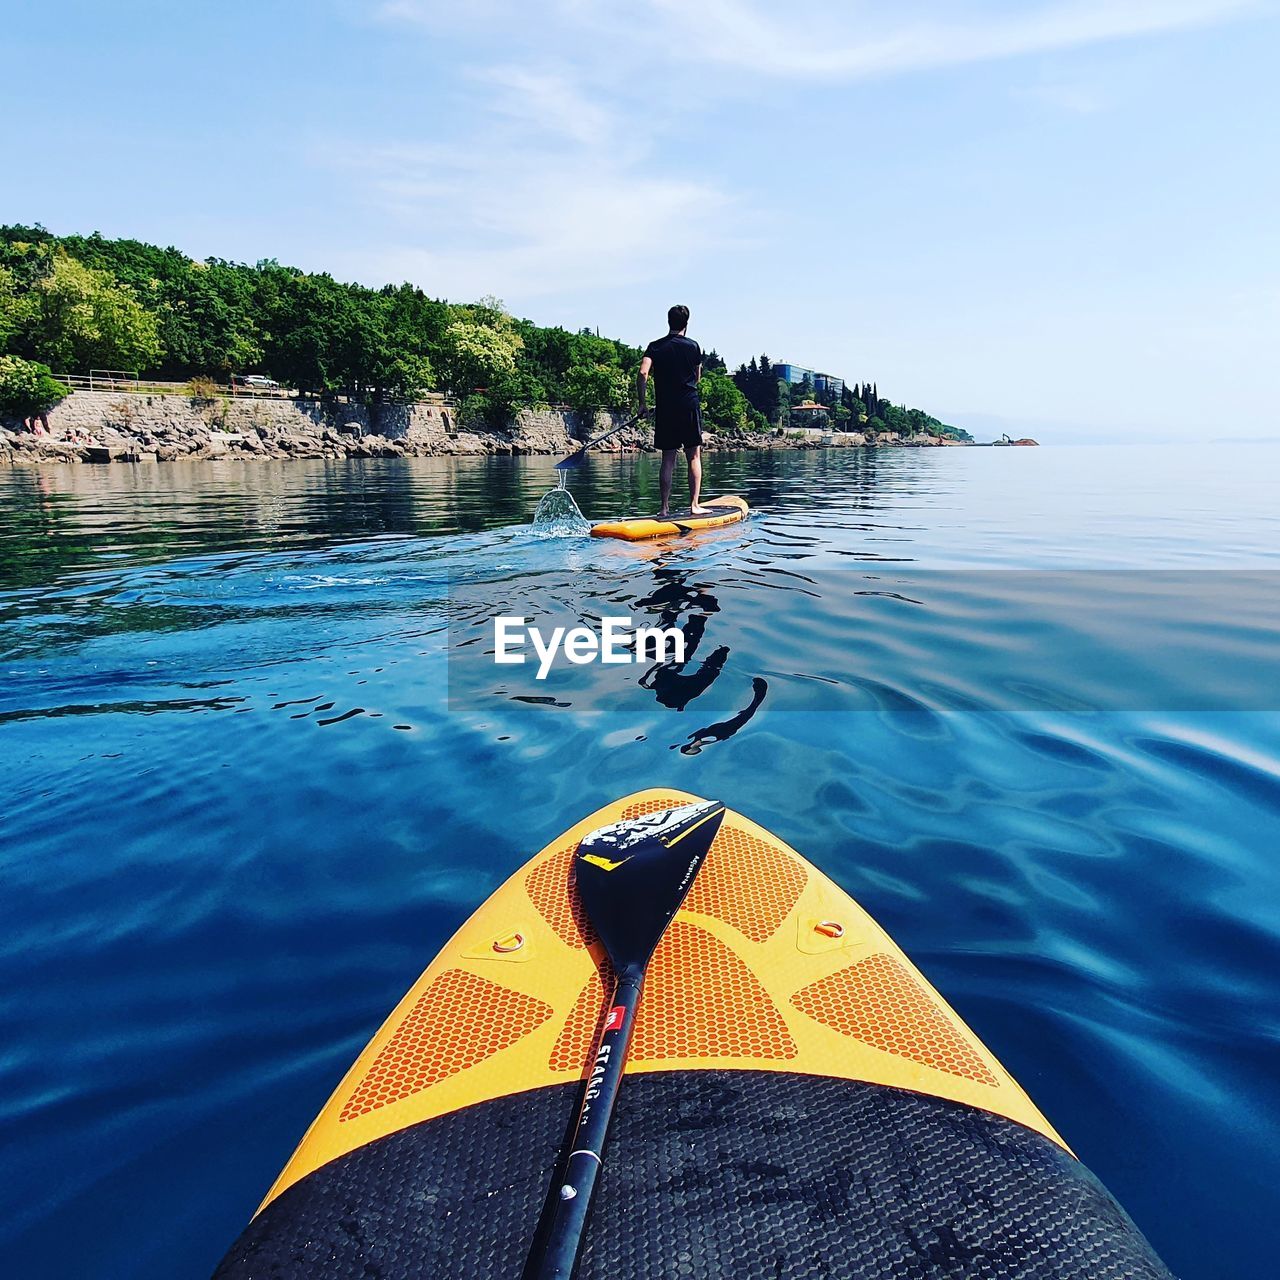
(560, 177)
(435, 13)
(822, 38)
(522, 222)
(549, 101)
(831, 39)
(546, 186)
(1074, 98)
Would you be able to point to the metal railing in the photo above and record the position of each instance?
(132, 384)
(100, 380)
(129, 382)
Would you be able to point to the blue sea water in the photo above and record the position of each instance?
(1023, 704)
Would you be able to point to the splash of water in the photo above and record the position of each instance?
(558, 516)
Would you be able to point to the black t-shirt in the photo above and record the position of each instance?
(675, 371)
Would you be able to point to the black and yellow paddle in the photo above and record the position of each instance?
(632, 877)
(575, 458)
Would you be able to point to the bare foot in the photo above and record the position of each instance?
(663, 515)
(700, 511)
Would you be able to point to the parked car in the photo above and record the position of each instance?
(254, 382)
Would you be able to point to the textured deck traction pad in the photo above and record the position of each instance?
(684, 513)
(727, 1174)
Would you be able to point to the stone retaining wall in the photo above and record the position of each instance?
(113, 426)
(107, 426)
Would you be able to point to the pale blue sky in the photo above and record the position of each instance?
(1055, 214)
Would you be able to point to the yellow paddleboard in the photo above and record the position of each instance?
(720, 511)
(798, 1102)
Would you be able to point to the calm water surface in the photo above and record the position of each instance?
(1021, 703)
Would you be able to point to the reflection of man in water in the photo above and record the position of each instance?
(723, 729)
(673, 683)
(676, 364)
(671, 600)
(669, 683)
(674, 596)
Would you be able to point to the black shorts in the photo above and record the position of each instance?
(677, 428)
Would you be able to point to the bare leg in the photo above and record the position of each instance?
(694, 455)
(664, 480)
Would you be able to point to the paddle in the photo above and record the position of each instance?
(632, 877)
(575, 458)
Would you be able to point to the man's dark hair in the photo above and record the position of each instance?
(678, 318)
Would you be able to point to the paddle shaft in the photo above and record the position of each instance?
(573, 1199)
(577, 454)
(631, 877)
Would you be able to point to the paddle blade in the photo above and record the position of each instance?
(633, 875)
(573, 461)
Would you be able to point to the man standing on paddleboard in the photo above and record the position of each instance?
(676, 364)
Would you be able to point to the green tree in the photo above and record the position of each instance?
(478, 355)
(497, 404)
(325, 336)
(28, 388)
(724, 407)
(895, 418)
(757, 382)
(784, 402)
(207, 317)
(80, 318)
(305, 317)
(412, 328)
(548, 355)
(597, 386)
(404, 376)
(14, 308)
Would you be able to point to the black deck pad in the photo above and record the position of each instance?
(724, 1174)
(683, 515)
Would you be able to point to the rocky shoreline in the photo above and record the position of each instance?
(98, 427)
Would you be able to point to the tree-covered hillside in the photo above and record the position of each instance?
(79, 302)
(858, 406)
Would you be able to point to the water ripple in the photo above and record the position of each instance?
(260, 765)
